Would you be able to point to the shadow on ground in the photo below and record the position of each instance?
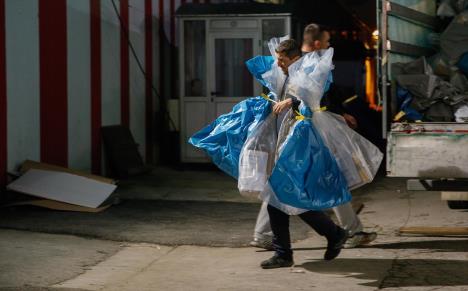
(432, 246)
(401, 272)
(448, 245)
(153, 221)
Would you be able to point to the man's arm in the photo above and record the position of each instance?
(333, 100)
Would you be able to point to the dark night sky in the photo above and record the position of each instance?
(335, 13)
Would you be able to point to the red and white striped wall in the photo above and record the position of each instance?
(66, 70)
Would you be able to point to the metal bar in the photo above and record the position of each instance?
(384, 61)
(412, 15)
(408, 49)
(378, 54)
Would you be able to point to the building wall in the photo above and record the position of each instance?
(66, 69)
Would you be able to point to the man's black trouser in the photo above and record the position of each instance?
(279, 221)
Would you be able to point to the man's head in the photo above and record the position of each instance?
(287, 53)
(315, 38)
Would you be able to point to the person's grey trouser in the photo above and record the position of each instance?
(347, 218)
(262, 227)
(345, 214)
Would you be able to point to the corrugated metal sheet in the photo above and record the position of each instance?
(405, 33)
(425, 6)
(408, 32)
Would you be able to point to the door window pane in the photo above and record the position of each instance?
(231, 74)
(271, 28)
(195, 58)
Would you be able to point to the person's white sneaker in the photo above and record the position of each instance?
(360, 238)
(262, 243)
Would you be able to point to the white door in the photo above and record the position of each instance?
(229, 80)
(215, 77)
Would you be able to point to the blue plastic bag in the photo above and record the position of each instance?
(306, 174)
(404, 100)
(258, 66)
(463, 63)
(222, 140)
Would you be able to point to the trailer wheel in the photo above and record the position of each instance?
(457, 204)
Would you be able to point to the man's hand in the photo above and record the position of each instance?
(350, 120)
(281, 106)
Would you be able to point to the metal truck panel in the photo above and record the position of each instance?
(428, 150)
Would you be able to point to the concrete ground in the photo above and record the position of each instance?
(37, 261)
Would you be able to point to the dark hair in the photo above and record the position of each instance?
(289, 47)
(313, 32)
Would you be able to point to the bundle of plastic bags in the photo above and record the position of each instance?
(358, 159)
(293, 170)
(314, 158)
(222, 140)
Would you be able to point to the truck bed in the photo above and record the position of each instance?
(428, 150)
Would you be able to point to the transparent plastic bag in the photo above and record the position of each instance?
(275, 78)
(357, 158)
(257, 158)
(309, 76)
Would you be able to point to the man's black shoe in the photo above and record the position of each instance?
(334, 247)
(276, 262)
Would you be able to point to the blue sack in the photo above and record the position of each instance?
(404, 99)
(306, 174)
(258, 66)
(463, 63)
(222, 140)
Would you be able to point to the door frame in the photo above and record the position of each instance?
(182, 98)
(212, 28)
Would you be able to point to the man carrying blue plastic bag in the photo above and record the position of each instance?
(281, 155)
(317, 39)
(316, 166)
